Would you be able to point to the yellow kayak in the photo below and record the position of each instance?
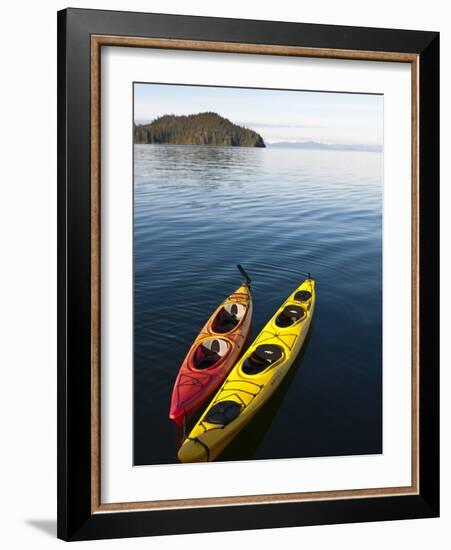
(254, 378)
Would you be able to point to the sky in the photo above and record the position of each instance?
(277, 115)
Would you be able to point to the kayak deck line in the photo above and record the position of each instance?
(278, 336)
(205, 447)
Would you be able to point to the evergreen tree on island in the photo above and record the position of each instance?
(200, 129)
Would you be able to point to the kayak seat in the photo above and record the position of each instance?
(289, 315)
(302, 296)
(224, 322)
(205, 358)
(228, 317)
(223, 413)
(209, 352)
(261, 358)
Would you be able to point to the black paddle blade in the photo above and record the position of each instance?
(244, 274)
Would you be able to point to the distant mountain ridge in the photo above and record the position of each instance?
(370, 148)
(198, 129)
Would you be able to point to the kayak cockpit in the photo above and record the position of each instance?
(210, 353)
(303, 296)
(228, 317)
(261, 358)
(289, 315)
(223, 412)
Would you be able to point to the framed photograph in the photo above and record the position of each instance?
(248, 274)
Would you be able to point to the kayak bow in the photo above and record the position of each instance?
(254, 378)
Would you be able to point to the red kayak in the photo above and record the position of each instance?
(213, 353)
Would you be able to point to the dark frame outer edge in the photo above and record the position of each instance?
(75, 521)
(74, 377)
(62, 434)
(429, 188)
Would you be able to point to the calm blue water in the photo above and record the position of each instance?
(200, 210)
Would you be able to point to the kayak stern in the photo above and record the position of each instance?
(193, 450)
(178, 415)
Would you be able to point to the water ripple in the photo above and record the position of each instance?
(198, 211)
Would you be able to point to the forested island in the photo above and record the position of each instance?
(199, 129)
